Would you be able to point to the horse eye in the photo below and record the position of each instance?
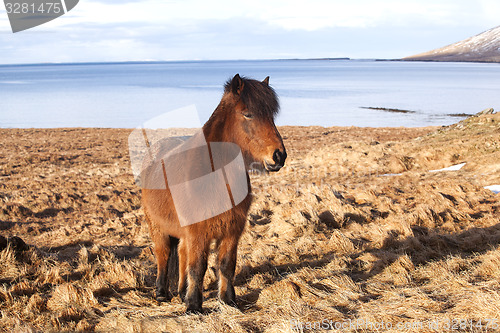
(248, 115)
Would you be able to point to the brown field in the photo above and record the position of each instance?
(330, 237)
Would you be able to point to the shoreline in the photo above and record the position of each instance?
(155, 62)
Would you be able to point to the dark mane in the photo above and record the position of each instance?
(260, 99)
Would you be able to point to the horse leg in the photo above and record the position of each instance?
(227, 264)
(182, 269)
(162, 252)
(197, 257)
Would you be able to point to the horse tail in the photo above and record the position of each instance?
(173, 265)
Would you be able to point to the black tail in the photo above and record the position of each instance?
(173, 265)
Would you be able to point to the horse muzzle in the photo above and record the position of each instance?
(279, 158)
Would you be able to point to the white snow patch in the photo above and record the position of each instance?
(493, 188)
(455, 167)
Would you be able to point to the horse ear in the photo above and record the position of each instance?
(266, 81)
(237, 84)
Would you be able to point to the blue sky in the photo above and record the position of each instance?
(136, 30)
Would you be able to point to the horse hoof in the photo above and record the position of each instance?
(162, 298)
(229, 298)
(233, 304)
(230, 303)
(193, 310)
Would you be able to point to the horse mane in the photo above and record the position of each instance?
(259, 97)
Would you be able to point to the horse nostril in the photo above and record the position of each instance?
(279, 157)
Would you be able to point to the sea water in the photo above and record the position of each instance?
(311, 92)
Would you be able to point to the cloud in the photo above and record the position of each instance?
(109, 30)
(216, 39)
(319, 14)
(288, 14)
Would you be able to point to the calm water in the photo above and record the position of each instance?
(312, 92)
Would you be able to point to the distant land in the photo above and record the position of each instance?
(484, 47)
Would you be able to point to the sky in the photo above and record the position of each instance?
(144, 30)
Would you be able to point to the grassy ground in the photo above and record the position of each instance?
(354, 231)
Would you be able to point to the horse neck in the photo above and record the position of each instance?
(216, 128)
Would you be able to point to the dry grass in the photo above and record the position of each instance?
(330, 237)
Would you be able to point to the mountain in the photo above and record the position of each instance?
(484, 47)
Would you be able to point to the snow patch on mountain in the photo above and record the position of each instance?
(484, 47)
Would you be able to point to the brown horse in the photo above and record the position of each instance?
(245, 117)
